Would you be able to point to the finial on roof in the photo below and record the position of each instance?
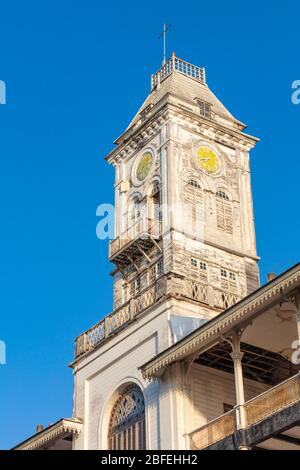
(163, 34)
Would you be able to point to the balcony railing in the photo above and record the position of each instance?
(179, 65)
(264, 405)
(143, 231)
(214, 431)
(115, 321)
(210, 295)
(277, 398)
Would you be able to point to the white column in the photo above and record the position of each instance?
(239, 388)
(237, 356)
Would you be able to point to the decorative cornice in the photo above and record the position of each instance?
(166, 109)
(253, 305)
(64, 426)
(138, 138)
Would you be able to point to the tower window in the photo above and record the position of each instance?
(205, 109)
(222, 195)
(156, 205)
(194, 183)
(199, 270)
(229, 281)
(194, 207)
(202, 265)
(224, 212)
(135, 286)
(156, 270)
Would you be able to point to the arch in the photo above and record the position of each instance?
(202, 180)
(153, 184)
(223, 194)
(126, 429)
(194, 183)
(109, 406)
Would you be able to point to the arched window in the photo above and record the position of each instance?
(194, 209)
(194, 183)
(136, 210)
(127, 421)
(156, 202)
(134, 213)
(222, 195)
(224, 212)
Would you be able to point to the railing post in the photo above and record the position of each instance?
(132, 308)
(173, 61)
(107, 322)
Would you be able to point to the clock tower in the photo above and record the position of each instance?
(183, 252)
(184, 216)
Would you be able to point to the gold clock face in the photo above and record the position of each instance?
(144, 166)
(207, 160)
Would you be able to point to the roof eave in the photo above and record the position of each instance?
(253, 304)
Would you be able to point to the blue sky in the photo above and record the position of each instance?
(76, 72)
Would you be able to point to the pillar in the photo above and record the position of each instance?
(237, 356)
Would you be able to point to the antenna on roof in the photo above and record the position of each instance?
(164, 34)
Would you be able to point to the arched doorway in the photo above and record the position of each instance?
(127, 421)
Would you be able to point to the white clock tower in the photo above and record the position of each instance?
(183, 197)
(184, 251)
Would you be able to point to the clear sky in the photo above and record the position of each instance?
(76, 72)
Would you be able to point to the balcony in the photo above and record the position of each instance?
(257, 411)
(210, 295)
(178, 65)
(135, 241)
(115, 321)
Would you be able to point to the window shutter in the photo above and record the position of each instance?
(224, 212)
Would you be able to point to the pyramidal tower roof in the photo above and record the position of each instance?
(184, 85)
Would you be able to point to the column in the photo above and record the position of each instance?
(237, 356)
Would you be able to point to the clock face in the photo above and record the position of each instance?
(207, 160)
(144, 166)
